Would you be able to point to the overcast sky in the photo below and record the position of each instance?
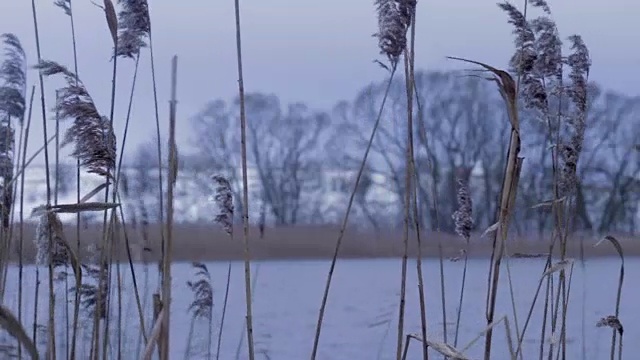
(318, 52)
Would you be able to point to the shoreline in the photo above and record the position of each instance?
(205, 242)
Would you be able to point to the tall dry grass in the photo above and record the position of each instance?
(394, 19)
(245, 186)
(540, 79)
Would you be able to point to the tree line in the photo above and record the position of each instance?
(461, 129)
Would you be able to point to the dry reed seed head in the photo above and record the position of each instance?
(534, 93)
(13, 69)
(13, 78)
(525, 56)
(7, 205)
(134, 24)
(7, 138)
(92, 134)
(12, 103)
(65, 5)
(7, 142)
(549, 48)
(223, 197)
(547, 71)
(202, 304)
(463, 217)
(89, 292)
(580, 63)
(394, 19)
(541, 4)
(568, 171)
(50, 229)
(95, 145)
(538, 54)
(612, 322)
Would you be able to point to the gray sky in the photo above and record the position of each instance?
(318, 52)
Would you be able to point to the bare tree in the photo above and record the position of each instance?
(462, 125)
(352, 122)
(299, 159)
(284, 152)
(218, 148)
(459, 125)
(610, 171)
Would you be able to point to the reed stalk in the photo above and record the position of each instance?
(51, 321)
(245, 187)
(171, 181)
(67, 6)
(345, 220)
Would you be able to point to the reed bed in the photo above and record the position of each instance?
(83, 264)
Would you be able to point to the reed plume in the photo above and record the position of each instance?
(49, 239)
(7, 144)
(201, 307)
(540, 65)
(90, 292)
(579, 62)
(224, 200)
(394, 19)
(202, 304)
(92, 133)
(51, 243)
(463, 219)
(13, 79)
(612, 322)
(134, 25)
(65, 5)
(538, 56)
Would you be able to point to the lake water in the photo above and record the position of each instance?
(361, 317)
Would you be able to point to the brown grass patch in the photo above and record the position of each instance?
(203, 242)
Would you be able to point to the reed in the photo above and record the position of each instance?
(51, 321)
(12, 107)
(245, 187)
(134, 25)
(223, 198)
(171, 183)
(540, 66)
(406, 18)
(393, 22)
(463, 218)
(201, 307)
(614, 321)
